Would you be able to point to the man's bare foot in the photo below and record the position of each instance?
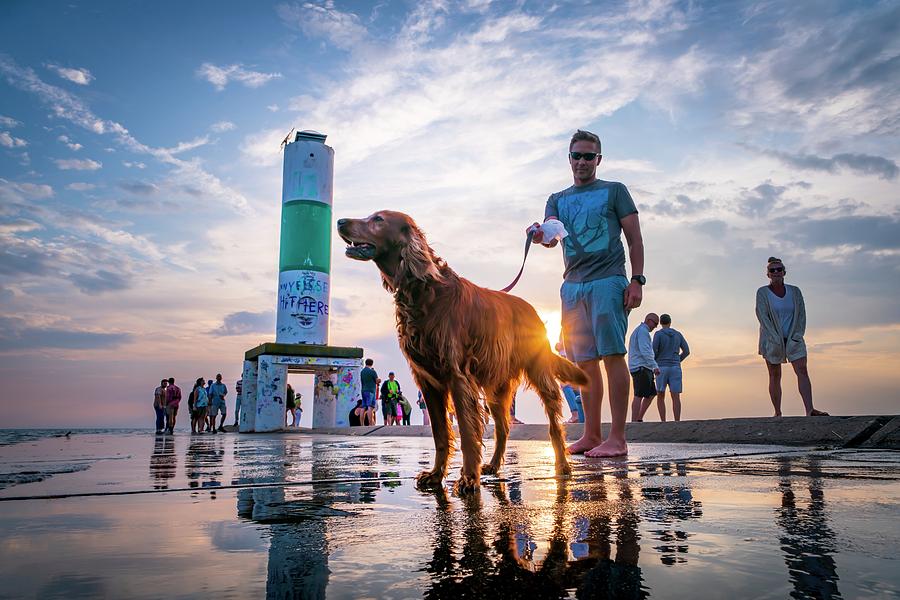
(818, 413)
(573, 419)
(582, 445)
(608, 449)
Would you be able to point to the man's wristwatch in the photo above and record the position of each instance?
(640, 279)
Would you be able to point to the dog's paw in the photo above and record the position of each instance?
(428, 479)
(466, 484)
(563, 469)
(489, 469)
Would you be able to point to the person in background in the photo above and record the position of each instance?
(201, 405)
(426, 420)
(670, 349)
(369, 380)
(642, 366)
(573, 398)
(173, 399)
(406, 407)
(390, 395)
(356, 413)
(238, 390)
(192, 410)
(290, 406)
(210, 421)
(217, 392)
(781, 313)
(159, 405)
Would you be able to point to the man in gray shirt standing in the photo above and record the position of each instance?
(642, 366)
(670, 349)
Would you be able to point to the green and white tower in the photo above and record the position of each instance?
(304, 266)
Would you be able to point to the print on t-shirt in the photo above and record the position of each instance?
(586, 213)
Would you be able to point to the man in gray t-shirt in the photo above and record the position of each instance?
(596, 294)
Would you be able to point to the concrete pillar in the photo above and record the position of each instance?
(304, 264)
(270, 395)
(324, 397)
(248, 397)
(349, 391)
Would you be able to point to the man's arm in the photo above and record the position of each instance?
(646, 350)
(656, 341)
(685, 349)
(631, 226)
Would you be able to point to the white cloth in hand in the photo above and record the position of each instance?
(553, 230)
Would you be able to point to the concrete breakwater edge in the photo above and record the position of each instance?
(858, 431)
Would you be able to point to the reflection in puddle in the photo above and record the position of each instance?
(318, 518)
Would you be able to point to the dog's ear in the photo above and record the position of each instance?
(417, 259)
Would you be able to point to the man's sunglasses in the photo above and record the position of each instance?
(777, 270)
(584, 155)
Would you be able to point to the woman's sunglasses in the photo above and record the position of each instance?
(777, 270)
(584, 155)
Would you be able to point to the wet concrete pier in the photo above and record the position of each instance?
(336, 516)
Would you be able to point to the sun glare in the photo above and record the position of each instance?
(553, 322)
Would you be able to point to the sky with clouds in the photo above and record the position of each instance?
(140, 178)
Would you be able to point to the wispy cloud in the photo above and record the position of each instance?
(67, 106)
(221, 126)
(142, 188)
(133, 164)
(77, 164)
(72, 145)
(79, 76)
(221, 76)
(9, 122)
(243, 322)
(343, 29)
(8, 141)
(81, 186)
(16, 333)
(863, 164)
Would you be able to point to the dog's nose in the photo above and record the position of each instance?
(342, 222)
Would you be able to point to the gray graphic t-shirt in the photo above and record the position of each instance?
(592, 214)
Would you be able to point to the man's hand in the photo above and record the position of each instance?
(656, 371)
(634, 293)
(538, 237)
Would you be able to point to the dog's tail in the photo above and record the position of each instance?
(566, 371)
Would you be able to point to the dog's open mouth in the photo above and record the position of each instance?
(360, 250)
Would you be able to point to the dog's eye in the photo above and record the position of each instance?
(378, 218)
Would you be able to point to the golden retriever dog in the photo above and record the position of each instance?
(463, 342)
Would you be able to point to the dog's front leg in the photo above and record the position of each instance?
(441, 431)
(471, 430)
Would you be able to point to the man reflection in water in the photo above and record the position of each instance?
(512, 567)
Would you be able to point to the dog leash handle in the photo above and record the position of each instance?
(527, 247)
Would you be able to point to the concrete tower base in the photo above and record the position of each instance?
(266, 368)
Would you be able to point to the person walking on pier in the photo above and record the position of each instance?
(159, 405)
(670, 349)
(369, 382)
(596, 294)
(781, 313)
(642, 366)
(173, 399)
